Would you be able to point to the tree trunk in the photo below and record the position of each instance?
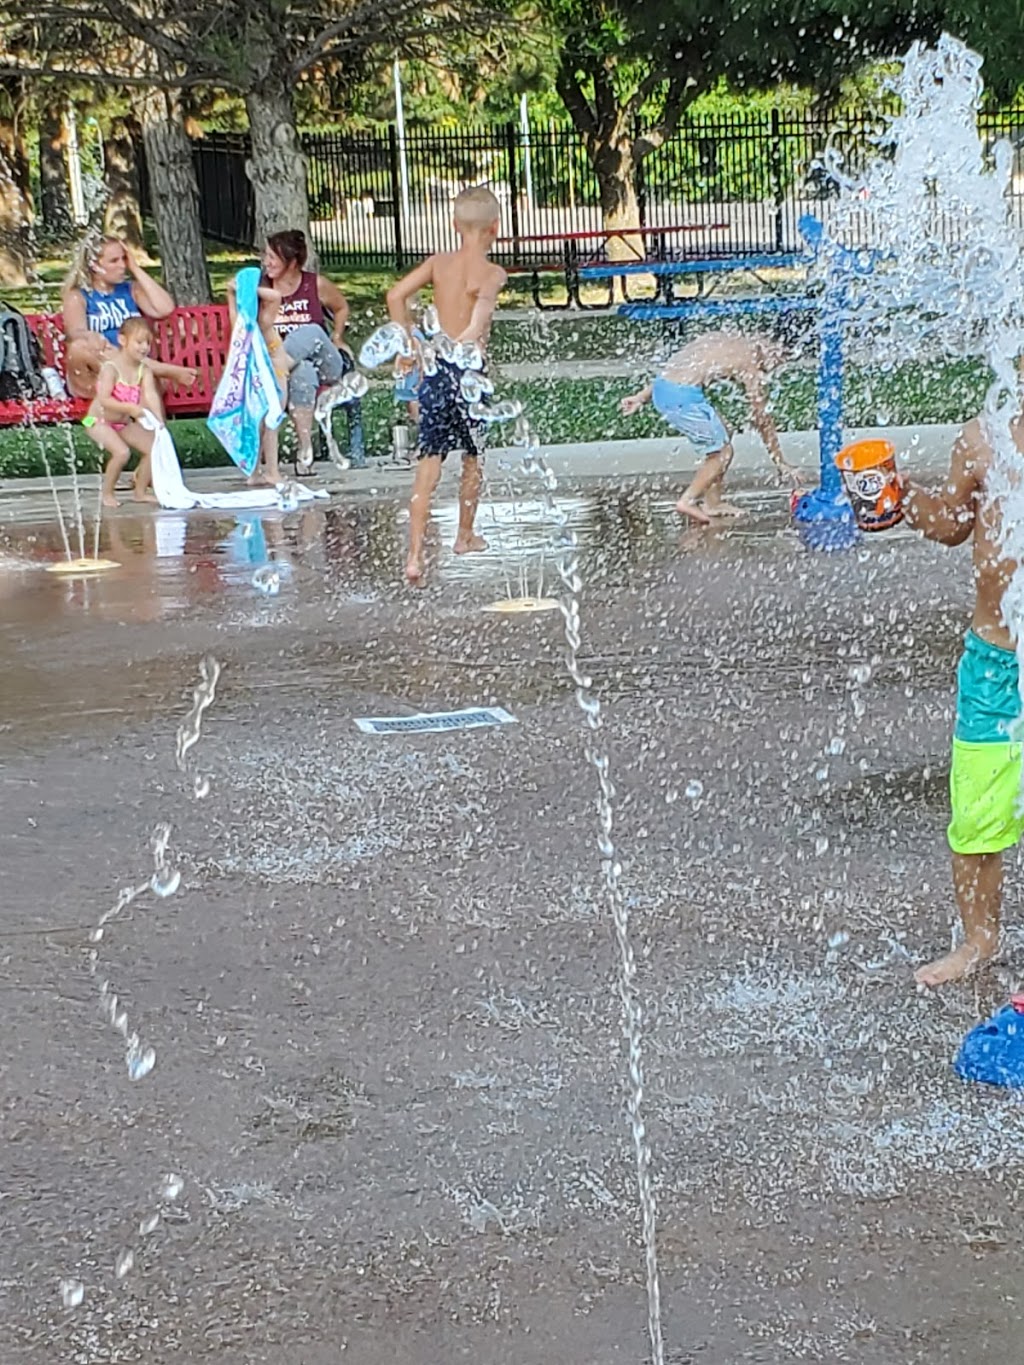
(174, 194)
(122, 216)
(277, 166)
(16, 210)
(615, 168)
(54, 183)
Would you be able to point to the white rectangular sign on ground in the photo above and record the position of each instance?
(472, 719)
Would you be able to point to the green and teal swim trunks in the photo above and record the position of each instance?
(985, 779)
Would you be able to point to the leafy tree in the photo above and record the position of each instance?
(629, 69)
(260, 49)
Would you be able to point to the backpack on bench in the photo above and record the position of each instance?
(21, 361)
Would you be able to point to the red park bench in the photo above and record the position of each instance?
(195, 337)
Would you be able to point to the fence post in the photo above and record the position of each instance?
(396, 196)
(775, 167)
(511, 140)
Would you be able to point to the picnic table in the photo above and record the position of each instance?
(705, 274)
(572, 253)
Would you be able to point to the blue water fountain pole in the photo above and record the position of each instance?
(828, 502)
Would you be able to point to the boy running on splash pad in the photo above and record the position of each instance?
(466, 287)
(678, 395)
(985, 779)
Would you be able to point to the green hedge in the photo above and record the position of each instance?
(564, 410)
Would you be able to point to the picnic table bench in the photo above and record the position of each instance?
(706, 274)
(573, 253)
(195, 337)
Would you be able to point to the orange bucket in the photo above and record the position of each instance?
(868, 471)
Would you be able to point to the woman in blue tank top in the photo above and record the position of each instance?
(97, 298)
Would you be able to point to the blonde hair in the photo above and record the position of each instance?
(132, 325)
(86, 258)
(476, 209)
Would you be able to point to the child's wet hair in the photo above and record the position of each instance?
(477, 208)
(137, 326)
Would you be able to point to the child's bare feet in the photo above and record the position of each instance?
(685, 508)
(722, 509)
(469, 544)
(139, 496)
(110, 501)
(954, 966)
(414, 570)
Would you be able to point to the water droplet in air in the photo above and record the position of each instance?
(821, 845)
(201, 786)
(165, 881)
(837, 745)
(149, 1225)
(72, 1292)
(839, 939)
(123, 1264)
(267, 580)
(288, 495)
(140, 1064)
(171, 1186)
(694, 790)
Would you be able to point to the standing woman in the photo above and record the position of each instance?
(311, 305)
(104, 288)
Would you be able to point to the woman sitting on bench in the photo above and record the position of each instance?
(310, 304)
(97, 299)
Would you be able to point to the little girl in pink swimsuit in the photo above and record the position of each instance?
(125, 388)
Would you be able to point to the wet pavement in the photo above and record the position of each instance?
(389, 1063)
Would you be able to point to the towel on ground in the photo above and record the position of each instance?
(171, 492)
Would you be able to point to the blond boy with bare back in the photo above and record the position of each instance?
(466, 286)
(985, 779)
(678, 395)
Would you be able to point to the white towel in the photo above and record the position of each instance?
(171, 492)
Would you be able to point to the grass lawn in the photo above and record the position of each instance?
(565, 409)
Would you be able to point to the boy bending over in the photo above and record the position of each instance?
(986, 771)
(678, 395)
(466, 287)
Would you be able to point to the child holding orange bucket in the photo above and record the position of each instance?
(678, 395)
(985, 780)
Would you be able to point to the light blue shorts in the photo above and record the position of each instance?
(685, 407)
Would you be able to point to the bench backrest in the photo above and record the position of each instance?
(196, 337)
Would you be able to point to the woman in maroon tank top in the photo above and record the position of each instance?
(302, 323)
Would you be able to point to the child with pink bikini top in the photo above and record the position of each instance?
(125, 388)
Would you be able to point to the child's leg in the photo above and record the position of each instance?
(978, 884)
(707, 478)
(428, 471)
(714, 504)
(269, 447)
(467, 540)
(118, 453)
(138, 438)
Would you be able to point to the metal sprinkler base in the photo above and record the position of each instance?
(519, 606)
(81, 568)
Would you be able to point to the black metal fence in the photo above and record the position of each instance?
(728, 185)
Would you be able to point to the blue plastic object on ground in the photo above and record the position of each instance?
(993, 1052)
